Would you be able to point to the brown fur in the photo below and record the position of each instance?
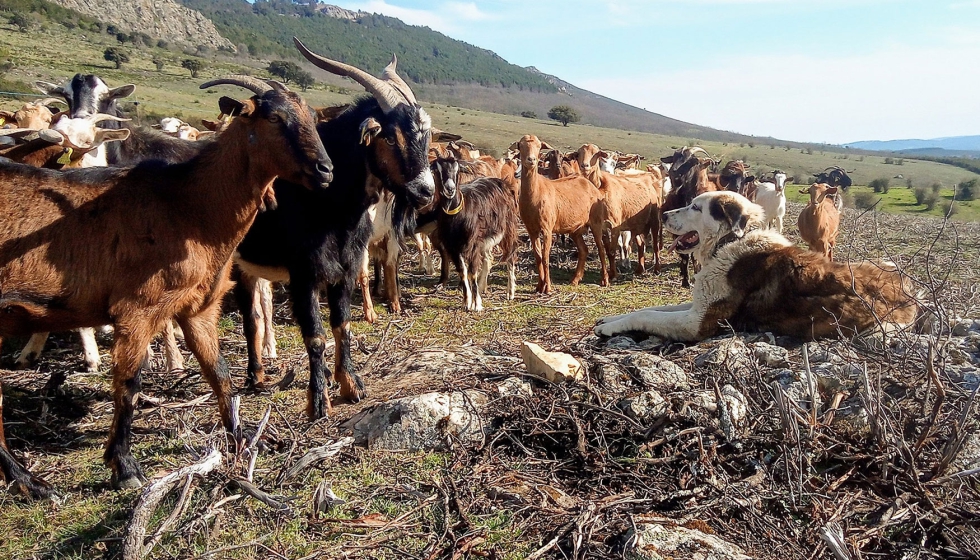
(135, 247)
(819, 222)
(689, 177)
(794, 292)
(567, 205)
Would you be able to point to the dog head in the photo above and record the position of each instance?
(710, 217)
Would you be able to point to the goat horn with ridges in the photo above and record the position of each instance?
(251, 83)
(50, 100)
(389, 75)
(104, 117)
(387, 95)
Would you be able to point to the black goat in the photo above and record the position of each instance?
(472, 220)
(318, 240)
(87, 94)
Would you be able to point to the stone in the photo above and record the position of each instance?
(650, 343)
(853, 417)
(620, 343)
(656, 372)
(818, 354)
(770, 354)
(514, 387)
(732, 353)
(425, 422)
(645, 406)
(962, 327)
(796, 388)
(969, 456)
(733, 410)
(664, 540)
(556, 367)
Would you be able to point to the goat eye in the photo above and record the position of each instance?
(391, 141)
(274, 118)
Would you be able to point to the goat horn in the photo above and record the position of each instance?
(387, 95)
(104, 117)
(16, 131)
(49, 100)
(697, 149)
(278, 86)
(251, 83)
(389, 75)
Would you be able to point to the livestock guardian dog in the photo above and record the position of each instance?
(756, 280)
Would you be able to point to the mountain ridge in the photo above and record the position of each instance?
(970, 143)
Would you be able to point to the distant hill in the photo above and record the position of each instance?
(952, 143)
(442, 69)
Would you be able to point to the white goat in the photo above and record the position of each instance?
(772, 198)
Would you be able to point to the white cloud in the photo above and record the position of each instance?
(448, 17)
(899, 92)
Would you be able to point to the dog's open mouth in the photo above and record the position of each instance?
(685, 243)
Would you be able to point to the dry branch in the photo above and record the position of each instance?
(133, 541)
(316, 455)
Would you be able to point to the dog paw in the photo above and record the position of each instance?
(604, 330)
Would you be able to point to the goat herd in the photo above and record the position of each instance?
(135, 228)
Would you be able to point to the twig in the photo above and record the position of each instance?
(261, 495)
(833, 535)
(940, 397)
(133, 547)
(253, 444)
(316, 455)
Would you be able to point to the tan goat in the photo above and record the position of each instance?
(567, 205)
(630, 203)
(819, 222)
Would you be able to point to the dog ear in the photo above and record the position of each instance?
(727, 209)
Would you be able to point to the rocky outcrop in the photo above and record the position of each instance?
(161, 19)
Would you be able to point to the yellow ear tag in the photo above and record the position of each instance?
(2, 120)
(65, 158)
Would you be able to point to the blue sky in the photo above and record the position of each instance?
(812, 70)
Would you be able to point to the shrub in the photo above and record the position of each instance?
(284, 70)
(864, 200)
(529, 114)
(920, 195)
(889, 161)
(158, 61)
(564, 114)
(161, 44)
(930, 201)
(113, 54)
(880, 185)
(304, 79)
(950, 208)
(936, 187)
(968, 190)
(193, 65)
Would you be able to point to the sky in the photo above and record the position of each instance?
(832, 71)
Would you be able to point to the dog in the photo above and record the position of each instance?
(754, 279)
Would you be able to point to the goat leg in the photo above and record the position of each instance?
(201, 337)
(128, 354)
(338, 300)
(306, 308)
(244, 287)
(641, 254)
(583, 255)
(19, 480)
(264, 295)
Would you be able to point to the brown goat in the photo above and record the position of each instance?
(135, 247)
(567, 205)
(629, 203)
(34, 114)
(819, 222)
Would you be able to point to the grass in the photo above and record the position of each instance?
(901, 200)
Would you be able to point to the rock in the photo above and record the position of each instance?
(817, 353)
(663, 540)
(733, 409)
(961, 327)
(651, 343)
(796, 387)
(852, 416)
(645, 406)
(514, 387)
(731, 353)
(424, 422)
(621, 343)
(770, 355)
(656, 372)
(969, 457)
(553, 366)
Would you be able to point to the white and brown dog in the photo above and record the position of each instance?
(756, 280)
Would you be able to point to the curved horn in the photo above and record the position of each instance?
(697, 149)
(251, 83)
(104, 117)
(389, 75)
(386, 94)
(50, 100)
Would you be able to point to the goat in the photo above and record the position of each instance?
(630, 204)
(34, 114)
(87, 95)
(317, 239)
(566, 205)
(138, 246)
(689, 178)
(772, 198)
(835, 176)
(473, 220)
(819, 222)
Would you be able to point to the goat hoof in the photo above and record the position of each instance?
(33, 488)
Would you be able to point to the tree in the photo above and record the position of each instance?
(21, 21)
(114, 54)
(193, 65)
(529, 114)
(304, 79)
(880, 185)
(284, 70)
(158, 61)
(564, 114)
(968, 190)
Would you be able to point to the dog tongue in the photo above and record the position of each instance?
(681, 239)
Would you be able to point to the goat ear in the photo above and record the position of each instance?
(545, 146)
(369, 129)
(122, 91)
(231, 106)
(804, 191)
(514, 147)
(729, 210)
(110, 135)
